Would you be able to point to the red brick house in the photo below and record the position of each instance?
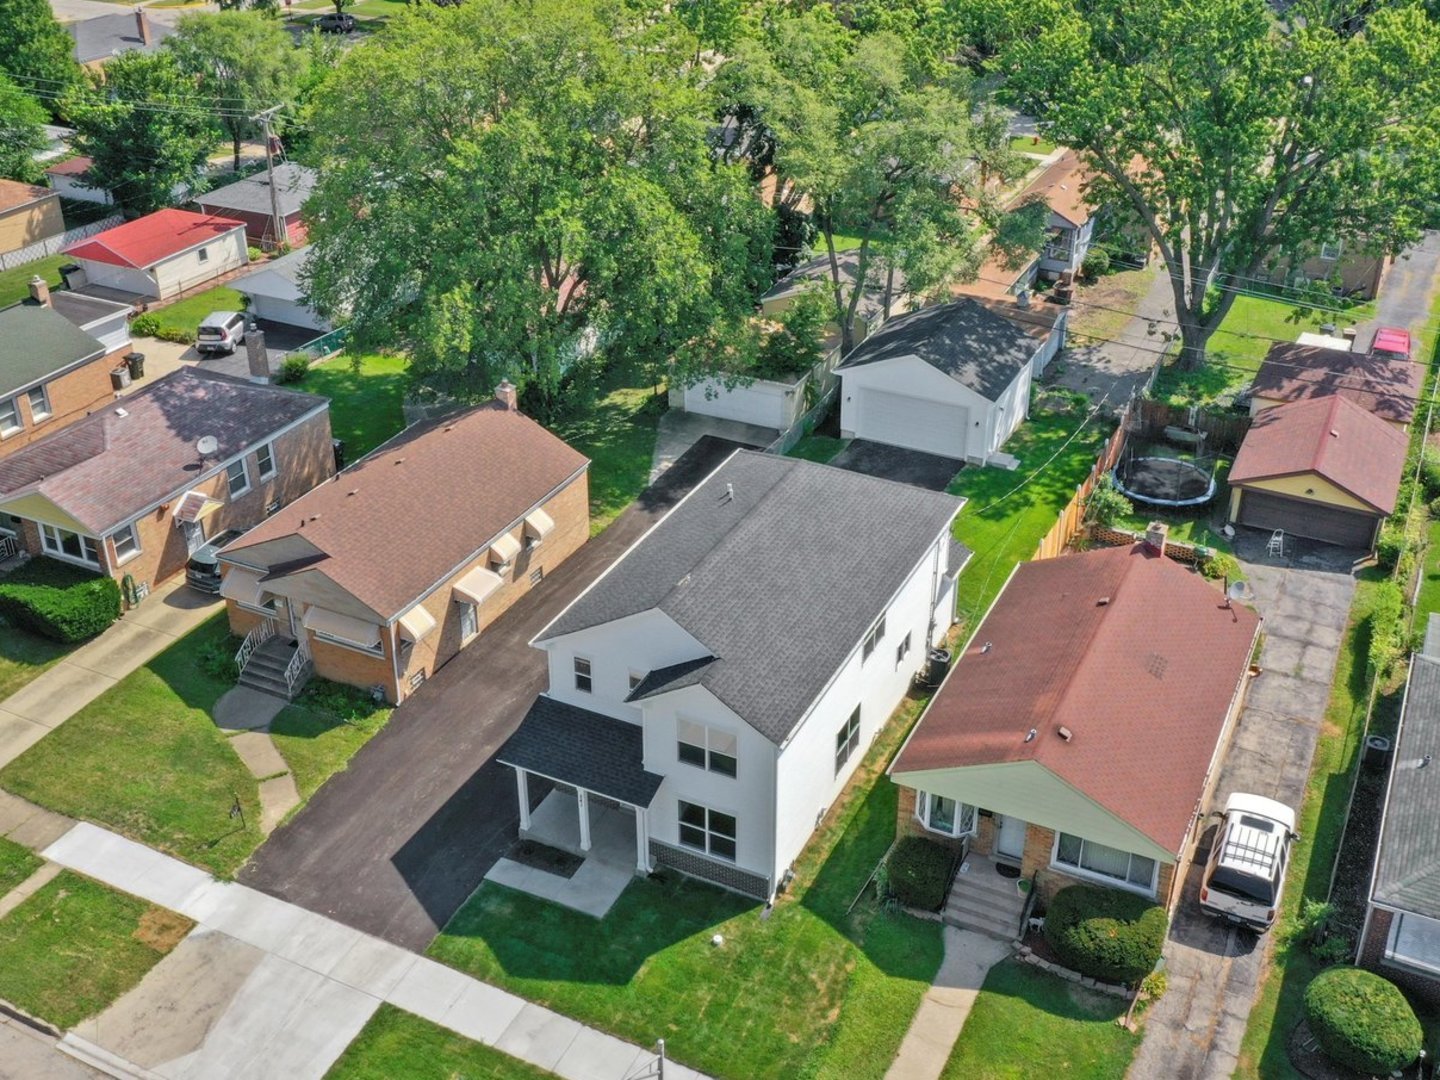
(131, 490)
(382, 575)
(250, 201)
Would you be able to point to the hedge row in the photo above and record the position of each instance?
(1107, 934)
(59, 602)
(919, 873)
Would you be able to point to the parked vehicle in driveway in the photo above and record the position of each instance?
(202, 572)
(335, 23)
(1245, 873)
(1391, 343)
(220, 332)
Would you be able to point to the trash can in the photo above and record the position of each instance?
(338, 447)
(120, 377)
(74, 275)
(135, 361)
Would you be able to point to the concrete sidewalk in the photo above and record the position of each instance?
(946, 1005)
(42, 705)
(263, 988)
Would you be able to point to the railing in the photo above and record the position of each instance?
(262, 632)
(1027, 907)
(9, 548)
(297, 663)
(324, 345)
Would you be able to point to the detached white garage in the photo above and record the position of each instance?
(275, 292)
(953, 380)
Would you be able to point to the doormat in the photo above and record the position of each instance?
(1006, 870)
(544, 857)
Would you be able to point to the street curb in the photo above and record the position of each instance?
(97, 1057)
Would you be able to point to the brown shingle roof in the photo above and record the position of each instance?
(108, 467)
(14, 194)
(404, 517)
(1062, 186)
(1294, 372)
(1144, 683)
(1331, 437)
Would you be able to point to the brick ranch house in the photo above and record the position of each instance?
(127, 491)
(493, 502)
(1077, 738)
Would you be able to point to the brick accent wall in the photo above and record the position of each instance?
(717, 873)
(78, 392)
(907, 824)
(339, 664)
(983, 843)
(242, 620)
(1372, 956)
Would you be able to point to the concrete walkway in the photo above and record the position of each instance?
(263, 988)
(45, 703)
(247, 715)
(946, 1006)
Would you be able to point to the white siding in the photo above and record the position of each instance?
(1011, 410)
(186, 270)
(124, 278)
(768, 404)
(113, 333)
(286, 311)
(69, 187)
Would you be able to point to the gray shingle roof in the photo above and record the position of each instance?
(975, 346)
(1407, 871)
(817, 273)
(37, 343)
(106, 35)
(779, 567)
(584, 748)
(293, 184)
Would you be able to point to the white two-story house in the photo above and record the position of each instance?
(722, 680)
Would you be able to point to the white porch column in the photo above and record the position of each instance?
(642, 842)
(522, 788)
(582, 800)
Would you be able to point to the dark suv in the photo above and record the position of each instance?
(202, 572)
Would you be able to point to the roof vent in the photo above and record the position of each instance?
(314, 517)
(1423, 762)
(1104, 601)
(1030, 735)
(987, 646)
(1066, 733)
(353, 491)
(729, 495)
(121, 412)
(1334, 434)
(399, 461)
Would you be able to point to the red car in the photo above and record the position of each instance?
(1391, 344)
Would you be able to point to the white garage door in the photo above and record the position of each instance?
(284, 311)
(915, 423)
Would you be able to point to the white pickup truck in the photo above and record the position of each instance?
(1246, 870)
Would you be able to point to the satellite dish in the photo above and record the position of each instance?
(207, 445)
(1240, 592)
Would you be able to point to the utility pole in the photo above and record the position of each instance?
(264, 117)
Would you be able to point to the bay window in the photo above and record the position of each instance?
(69, 545)
(944, 816)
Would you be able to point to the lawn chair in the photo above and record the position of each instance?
(1276, 546)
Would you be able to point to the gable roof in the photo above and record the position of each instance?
(37, 343)
(1331, 437)
(142, 243)
(1061, 185)
(447, 487)
(1135, 654)
(974, 345)
(278, 278)
(104, 469)
(14, 195)
(1407, 868)
(1293, 372)
(293, 184)
(778, 567)
(816, 274)
(78, 165)
(105, 35)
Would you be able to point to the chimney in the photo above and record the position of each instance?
(39, 290)
(257, 356)
(506, 395)
(143, 27)
(1155, 534)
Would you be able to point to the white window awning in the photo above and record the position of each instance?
(194, 506)
(479, 583)
(416, 624)
(539, 524)
(504, 550)
(353, 631)
(243, 586)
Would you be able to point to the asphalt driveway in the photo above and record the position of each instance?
(1405, 293)
(929, 471)
(396, 843)
(1195, 1030)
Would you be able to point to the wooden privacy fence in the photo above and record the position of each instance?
(1224, 432)
(1072, 518)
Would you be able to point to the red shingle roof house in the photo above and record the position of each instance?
(1322, 468)
(1387, 387)
(162, 253)
(1078, 735)
(488, 502)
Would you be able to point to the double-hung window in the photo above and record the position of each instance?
(902, 650)
(1331, 250)
(944, 816)
(847, 740)
(126, 541)
(1133, 871)
(707, 747)
(265, 457)
(584, 677)
(236, 478)
(69, 545)
(707, 830)
(39, 404)
(873, 638)
(9, 417)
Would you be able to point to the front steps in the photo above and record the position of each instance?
(265, 670)
(983, 901)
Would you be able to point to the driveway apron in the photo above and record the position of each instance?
(398, 841)
(1214, 969)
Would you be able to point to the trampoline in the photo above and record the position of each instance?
(1163, 481)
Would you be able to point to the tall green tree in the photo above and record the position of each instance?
(22, 135)
(147, 128)
(36, 51)
(505, 189)
(1240, 142)
(244, 60)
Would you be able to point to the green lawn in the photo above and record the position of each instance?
(365, 400)
(809, 991)
(317, 743)
(23, 656)
(75, 946)
(1003, 528)
(15, 284)
(399, 1044)
(821, 448)
(1027, 1023)
(17, 863)
(146, 760)
(183, 316)
(1031, 144)
(617, 434)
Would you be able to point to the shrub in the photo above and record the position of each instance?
(176, 334)
(1107, 934)
(1362, 1021)
(1430, 473)
(216, 659)
(1387, 629)
(254, 254)
(1220, 564)
(919, 873)
(1435, 507)
(347, 703)
(293, 368)
(1107, 504)
(147, 325)
(59, 602)
(1096, 264)
(1389, 546)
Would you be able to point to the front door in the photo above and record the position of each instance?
(194, 536)
(1009, 837)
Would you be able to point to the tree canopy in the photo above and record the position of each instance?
(505, 191)
(1240, 142)
(36, 51)
(21, 133)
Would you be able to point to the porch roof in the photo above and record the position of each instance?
(587, 749)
